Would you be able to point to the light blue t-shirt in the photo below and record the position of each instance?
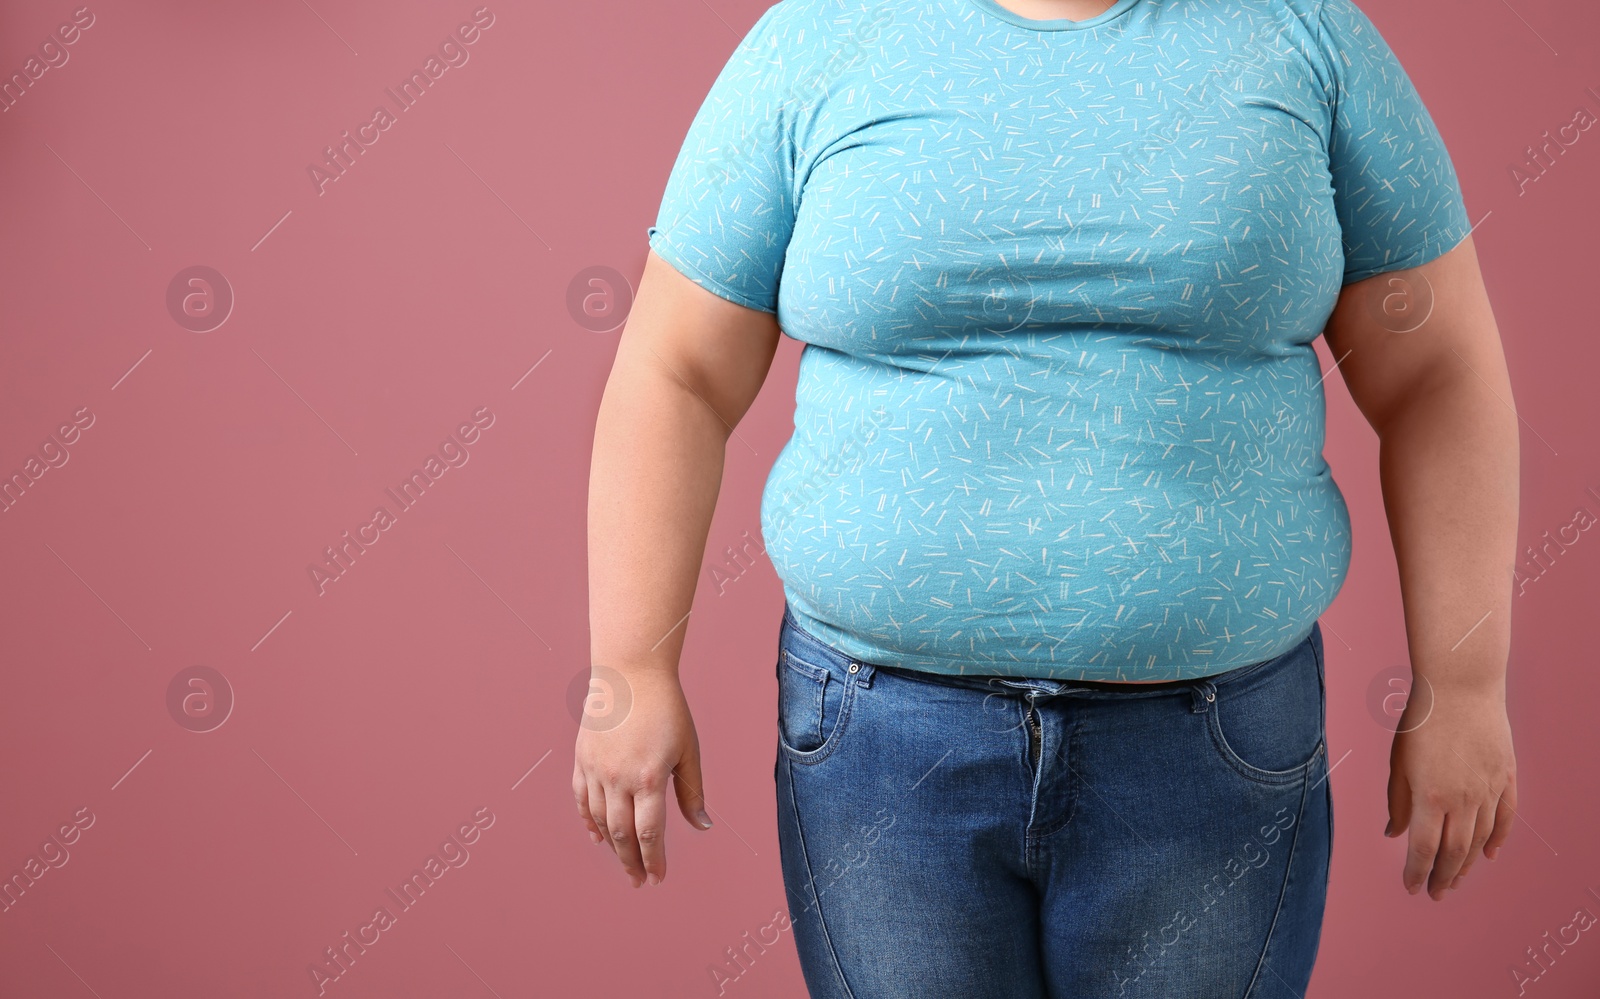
(1058, 413)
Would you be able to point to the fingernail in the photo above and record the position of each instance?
(654, 879)
(705, 820)
(1493, 852)
(635, 880)
(1388, 827)
(594, 838)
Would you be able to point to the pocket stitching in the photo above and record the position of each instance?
(830, 741)
(1255, 773)
(1243, 766)
(799, 665)
(811, 673)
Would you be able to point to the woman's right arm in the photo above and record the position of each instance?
(688, 367)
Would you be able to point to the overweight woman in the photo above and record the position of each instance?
(1054, 527)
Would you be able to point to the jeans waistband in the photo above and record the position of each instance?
(1042, 685)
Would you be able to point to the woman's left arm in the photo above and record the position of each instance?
(1439, 397)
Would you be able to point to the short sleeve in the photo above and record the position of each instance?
(1395, 190)
(729, 205)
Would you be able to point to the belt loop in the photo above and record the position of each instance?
(860, 672)
(1202, 693)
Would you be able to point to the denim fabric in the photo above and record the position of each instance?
(969, 837)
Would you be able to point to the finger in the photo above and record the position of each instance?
(624, 840)
(1504, 813)
(597, 808)
(580, 793)
(650, 823)
(1426, 824)
(686, 781)
(1454, 840)
(1480, 835)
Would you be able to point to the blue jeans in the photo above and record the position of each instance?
(969, 837)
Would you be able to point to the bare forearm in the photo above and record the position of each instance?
(653, 485)
(1448, 464)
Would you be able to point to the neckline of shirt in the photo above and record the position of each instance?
(993, 8)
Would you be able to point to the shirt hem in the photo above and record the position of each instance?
(659, 239)
(1417, 258)
(1047, 670)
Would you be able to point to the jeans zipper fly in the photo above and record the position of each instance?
(1035, 736)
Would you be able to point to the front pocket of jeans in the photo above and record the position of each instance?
(1268, 725)
(803, 690)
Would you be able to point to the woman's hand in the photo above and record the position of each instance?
(1453, 782)
(620, 775)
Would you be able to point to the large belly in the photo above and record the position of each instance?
(1129, 513)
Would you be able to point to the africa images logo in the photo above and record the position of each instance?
(452, 53)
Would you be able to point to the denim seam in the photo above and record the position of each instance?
(811, 880)
(1327, 859)
(1327, 777)
(1075, 786)
(1033, 839)
(1283, 891)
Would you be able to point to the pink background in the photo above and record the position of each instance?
(372, 320)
